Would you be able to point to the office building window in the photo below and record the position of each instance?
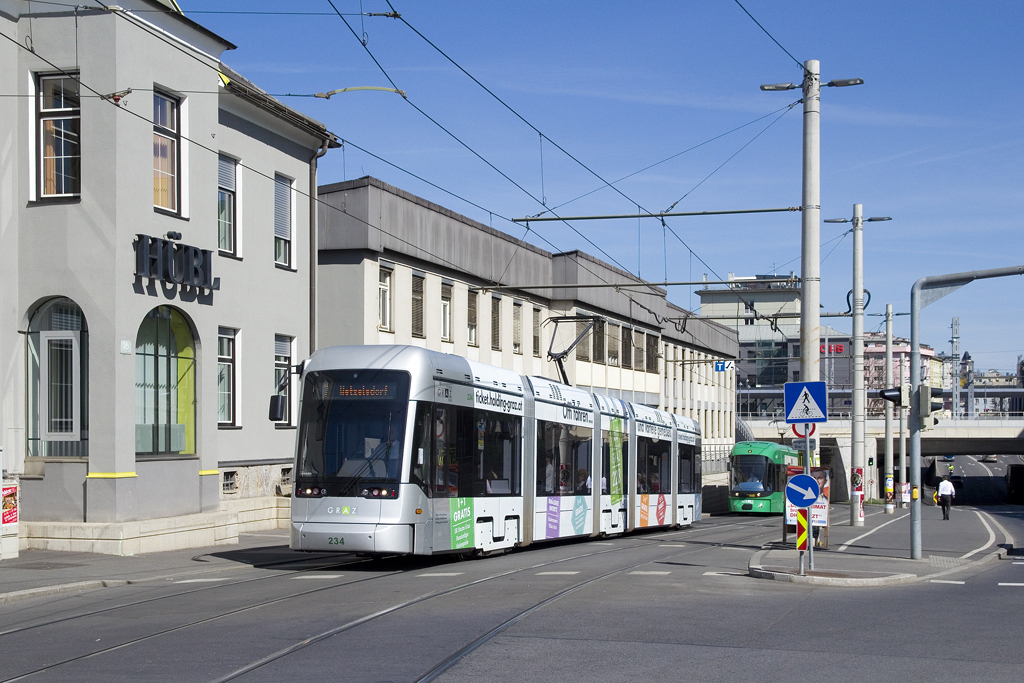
(471, 319)
(165, 384)
(517, 327)
(446, 313)
(495, 323)
(60, 149)
(638, 350)
(282, 220)
(536, 332)
(166, 153)
(613, 345)
(598, 345)
(417, 306)
(282, 373)
(384, 299)
(226, 167)
(748, 313)
(226, 376)
(652, 353)
(583, 347)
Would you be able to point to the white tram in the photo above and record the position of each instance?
(401, 450)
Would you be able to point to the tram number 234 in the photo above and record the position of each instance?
(333, 540)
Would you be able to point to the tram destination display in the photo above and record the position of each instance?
(365, 390)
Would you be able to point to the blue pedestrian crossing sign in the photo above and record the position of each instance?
(806, 402)
(802, 491)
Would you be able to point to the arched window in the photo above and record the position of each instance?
(58, 387)
(165, 384)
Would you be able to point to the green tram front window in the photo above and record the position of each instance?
(753, 474)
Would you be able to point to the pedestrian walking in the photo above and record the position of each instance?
(946, 495)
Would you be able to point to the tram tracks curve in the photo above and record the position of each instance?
(692, 532)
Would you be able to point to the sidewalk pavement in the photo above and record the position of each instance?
(36, 573)
(878, 553)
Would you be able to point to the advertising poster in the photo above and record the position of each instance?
(10, 505)
(579, 514)
(645, 514)
(462, 522)
(857, 482)
(615, 452)
(819, 511)
(905, 493)
(554, 512)
(662, 507)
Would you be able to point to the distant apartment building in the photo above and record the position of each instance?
(397, 269)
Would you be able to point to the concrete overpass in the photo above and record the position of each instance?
(949, 437)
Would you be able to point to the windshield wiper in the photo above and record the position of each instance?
(374, 456)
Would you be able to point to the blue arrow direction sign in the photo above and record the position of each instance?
(802, 490)
(806, 402)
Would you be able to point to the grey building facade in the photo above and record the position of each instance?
(153, 209)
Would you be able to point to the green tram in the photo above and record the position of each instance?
(758, 476)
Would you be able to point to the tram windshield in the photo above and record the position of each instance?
(352, 428)
(752, 473)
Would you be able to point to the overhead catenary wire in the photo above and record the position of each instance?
(798, 62)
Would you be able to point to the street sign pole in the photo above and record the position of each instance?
(810, 528)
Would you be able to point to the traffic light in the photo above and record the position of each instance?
(929, 406)
(892, 395)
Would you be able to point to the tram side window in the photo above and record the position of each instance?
(496, 455)
(653, 465)
(421, 446)
(444, 476)
(563, 459)
(686, 470)
(612, 483)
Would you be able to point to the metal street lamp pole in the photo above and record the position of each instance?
(890, 506)
(925, 291)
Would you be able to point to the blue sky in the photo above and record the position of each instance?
(934, 138)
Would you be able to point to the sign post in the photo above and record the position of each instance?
(802, 492)
(806, 403)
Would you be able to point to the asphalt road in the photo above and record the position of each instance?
(668, 606)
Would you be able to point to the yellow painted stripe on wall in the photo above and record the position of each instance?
(203, 473)
(110, 475)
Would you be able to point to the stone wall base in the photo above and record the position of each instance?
(157, 535)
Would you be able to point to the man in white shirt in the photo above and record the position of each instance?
(946, 495)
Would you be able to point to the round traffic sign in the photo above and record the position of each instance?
(802, 490)
(809, 432)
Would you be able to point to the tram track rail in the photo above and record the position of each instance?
(296, 647)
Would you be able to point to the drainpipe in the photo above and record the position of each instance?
(313, 244)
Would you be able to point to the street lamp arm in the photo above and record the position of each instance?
(327, 95)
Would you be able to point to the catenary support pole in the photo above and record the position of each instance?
(890, 494)
(810, 251)
(902, 478)
(857, 499)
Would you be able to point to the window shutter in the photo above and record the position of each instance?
(517, 328)
(495, 324)
(282, 207)
(613, 345)
(536, 332)
(417, 306)
(598, 333)
(583, 348)
(282, 345)
(226, 173)
(638, 351)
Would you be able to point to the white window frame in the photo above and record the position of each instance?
(279, 180)
(233, 191)
(232, 360)
(446, 312)
(292, 399)
(517, 327)
(175, 136)
(42, 115)
(44, 386)
(385, 291)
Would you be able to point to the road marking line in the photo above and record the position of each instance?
(991, 538)
(724, 574)
(986, 468)
(672, 545)
(1018, 562)
(602, 543)
(319, 576)
(651, 573)
(854, 540)
(441, 574)
(1006, 534)
(958, 583)
(1011, 584)
(555, 573)
(201, 580)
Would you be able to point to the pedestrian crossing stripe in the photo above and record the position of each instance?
(805, 408)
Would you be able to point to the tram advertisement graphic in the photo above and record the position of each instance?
(645, 515)
(662, 507)
(553, 517)
(579, 514)
(615, 451)
(461, 517)
(10, 505)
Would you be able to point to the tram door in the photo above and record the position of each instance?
(614, 469)
(653, 480)
(688, 486)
